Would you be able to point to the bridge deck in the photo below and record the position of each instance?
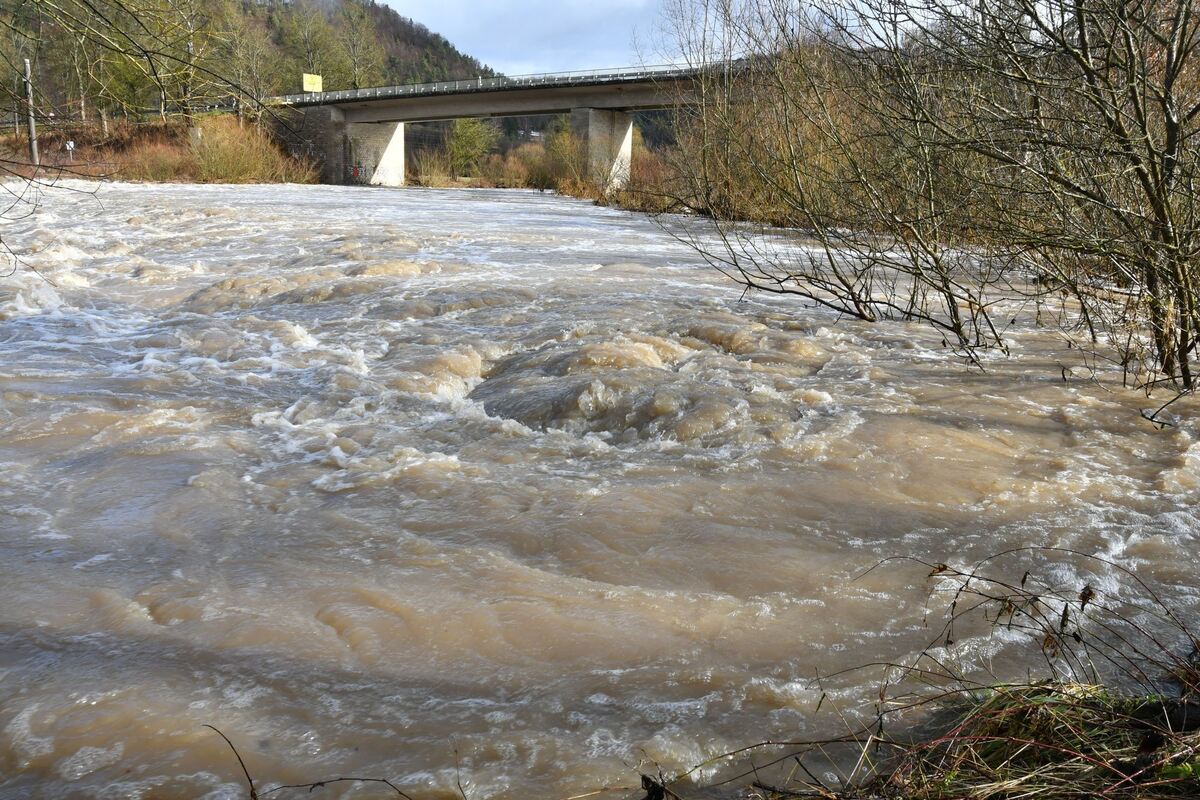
(550, 80)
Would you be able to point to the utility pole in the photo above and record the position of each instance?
(33, 153)
(187, 87)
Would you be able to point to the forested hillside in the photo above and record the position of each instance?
(180, 55)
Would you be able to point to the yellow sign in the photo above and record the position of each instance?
(312, 83)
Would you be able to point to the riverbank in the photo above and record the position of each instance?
(1052, 741)
(1115, 712)
(556, 163)
(216, 149)
(220, 149)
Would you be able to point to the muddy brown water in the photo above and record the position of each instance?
(365, 478)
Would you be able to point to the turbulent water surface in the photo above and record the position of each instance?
(368, 479)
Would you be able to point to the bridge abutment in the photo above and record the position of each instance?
(364, 152)
(377, 152)
(608, 138)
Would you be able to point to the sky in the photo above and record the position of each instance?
(523, 36)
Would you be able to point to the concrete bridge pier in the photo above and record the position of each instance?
(609, 141)
(364, 152)
(373, 152)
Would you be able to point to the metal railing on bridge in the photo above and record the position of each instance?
(657, 72)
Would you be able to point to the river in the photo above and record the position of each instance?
(498, 487)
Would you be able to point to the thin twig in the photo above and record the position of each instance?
(238, 756)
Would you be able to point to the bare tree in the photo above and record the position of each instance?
(121, 48)
(946, 156)
(309, 34)
(790, 132)
(364, 56)
(247, 54)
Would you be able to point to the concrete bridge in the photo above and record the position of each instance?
(362, 130)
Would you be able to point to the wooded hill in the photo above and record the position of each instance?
(185, 54)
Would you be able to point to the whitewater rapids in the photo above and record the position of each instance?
(369, 478)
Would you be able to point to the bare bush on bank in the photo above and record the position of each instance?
(556, 162)
(946, 156)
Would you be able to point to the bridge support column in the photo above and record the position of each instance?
(609, 142)
(376, 153)
(364, 152)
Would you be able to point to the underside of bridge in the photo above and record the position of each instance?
(374, 152)
(364, 137)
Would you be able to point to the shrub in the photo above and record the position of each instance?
(156, 161)
(221, 152)
(430, 166)
(226, 152)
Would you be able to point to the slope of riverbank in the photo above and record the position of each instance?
(217, 149)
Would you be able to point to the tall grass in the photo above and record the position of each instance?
(156, 162)
(430, 166)
(229, 153)
(220, 151)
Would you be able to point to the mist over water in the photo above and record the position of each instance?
(367, 477)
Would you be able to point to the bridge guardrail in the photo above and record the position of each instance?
(578, 77)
